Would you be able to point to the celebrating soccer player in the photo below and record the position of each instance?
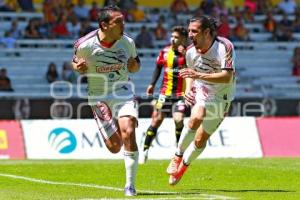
(106, 55)
(210, 89)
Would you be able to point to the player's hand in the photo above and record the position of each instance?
(189, 98)
(80, 65)
(150, 90)
(133, 65)
(189, 73)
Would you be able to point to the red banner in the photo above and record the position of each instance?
(280, 137)
(11, 140)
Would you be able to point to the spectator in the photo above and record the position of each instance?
(81, 11)
(240, 32)
(296, 62)
(15, 30)
(250, 5)
(160, 32)
(270, 23)
(220, 9)
(296, 24)
(60, 29)
(93, 13)
(179, 6)
(263, 7)
(207, 6)
(224, 28)
(51, 74)
(284, 30)
(26, 5)
(287, 6)
(68, 74)
(44, 28)
(8, 41)
(22, 108)
(48, 11)
(144, 39)
(4, 7)
(73, 27)
(248, 15)
(5, 84)
(31, 30)
(85, 28)
(126, 5)
(136, 14)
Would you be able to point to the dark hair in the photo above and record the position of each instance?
(181, 30)
(207, 22)
(104, 14)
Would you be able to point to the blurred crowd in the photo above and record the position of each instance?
(63, 19)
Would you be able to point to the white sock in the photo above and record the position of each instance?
(186, 137)
(131, 163)
(192, 153)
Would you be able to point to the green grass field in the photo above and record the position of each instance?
(104, 179)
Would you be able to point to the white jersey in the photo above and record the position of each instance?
(107, 67)
(220, 56)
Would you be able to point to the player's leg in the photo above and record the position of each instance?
(178, 116)
(107, 127)
(187, 136)
(127, 123)
(157, 119)
(215, 113)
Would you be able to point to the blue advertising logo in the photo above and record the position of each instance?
(62, 140)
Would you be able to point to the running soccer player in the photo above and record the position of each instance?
(106, 55)
(210, 90)
(170, 59)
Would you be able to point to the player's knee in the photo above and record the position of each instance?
(200, 143)
(157, 121)
(194, 122)
(178, 120)
(115, 147)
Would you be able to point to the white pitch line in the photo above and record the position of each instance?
(207, 196)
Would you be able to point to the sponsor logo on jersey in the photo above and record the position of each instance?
(109, 68)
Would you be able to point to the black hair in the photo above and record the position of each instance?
(207, 22)
(181, 30)
(104, 14)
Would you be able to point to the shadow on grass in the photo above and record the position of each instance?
(167, 193)
(248, 190)
(205, 191)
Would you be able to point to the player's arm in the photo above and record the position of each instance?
(155, 77)
(227, 69)
(160, 62)
(225, 76)
(79, 65)
(133, 64)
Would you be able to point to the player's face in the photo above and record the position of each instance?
(116, 26)
(176, 39)
(196, 34)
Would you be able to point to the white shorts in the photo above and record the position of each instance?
(106, 114)
(215, 113)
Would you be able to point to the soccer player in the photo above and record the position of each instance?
(170, 59)
(210, 86)
(106, 55)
